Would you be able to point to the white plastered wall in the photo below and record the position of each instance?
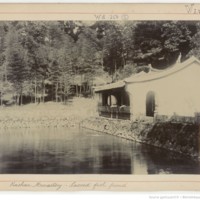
(177, 93)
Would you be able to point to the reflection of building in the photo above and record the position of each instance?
(165, 92)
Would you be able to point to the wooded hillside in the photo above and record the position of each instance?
(53, 60)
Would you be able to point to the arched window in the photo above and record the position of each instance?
(112, 100)
(150, 104)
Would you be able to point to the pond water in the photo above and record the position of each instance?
(81, 151)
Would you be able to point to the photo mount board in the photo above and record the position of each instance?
(102, 12)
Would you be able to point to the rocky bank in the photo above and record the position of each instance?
(179, 137)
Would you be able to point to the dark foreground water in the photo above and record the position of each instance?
(74, 151)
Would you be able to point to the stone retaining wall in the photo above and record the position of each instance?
(37, 122)
(178, 137)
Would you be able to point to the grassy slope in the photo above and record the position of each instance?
(47, 114)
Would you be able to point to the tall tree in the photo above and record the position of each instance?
(37, 56)
(60, 56)
(161, 42)
(16, 64)
(195, 46)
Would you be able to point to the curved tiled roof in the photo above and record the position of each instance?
(157, 74)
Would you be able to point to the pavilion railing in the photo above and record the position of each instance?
(118, 112)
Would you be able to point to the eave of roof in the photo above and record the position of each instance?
(110, 86)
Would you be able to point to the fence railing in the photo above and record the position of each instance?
(123, 112)
(177, 118)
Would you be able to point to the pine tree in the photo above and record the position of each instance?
(15, 61)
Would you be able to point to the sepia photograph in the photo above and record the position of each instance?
(106, 96)
(99, 97)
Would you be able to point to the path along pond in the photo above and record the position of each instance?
(82, 151)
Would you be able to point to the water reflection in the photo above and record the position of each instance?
(74, 151)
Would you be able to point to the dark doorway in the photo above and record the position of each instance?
(150, 104)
